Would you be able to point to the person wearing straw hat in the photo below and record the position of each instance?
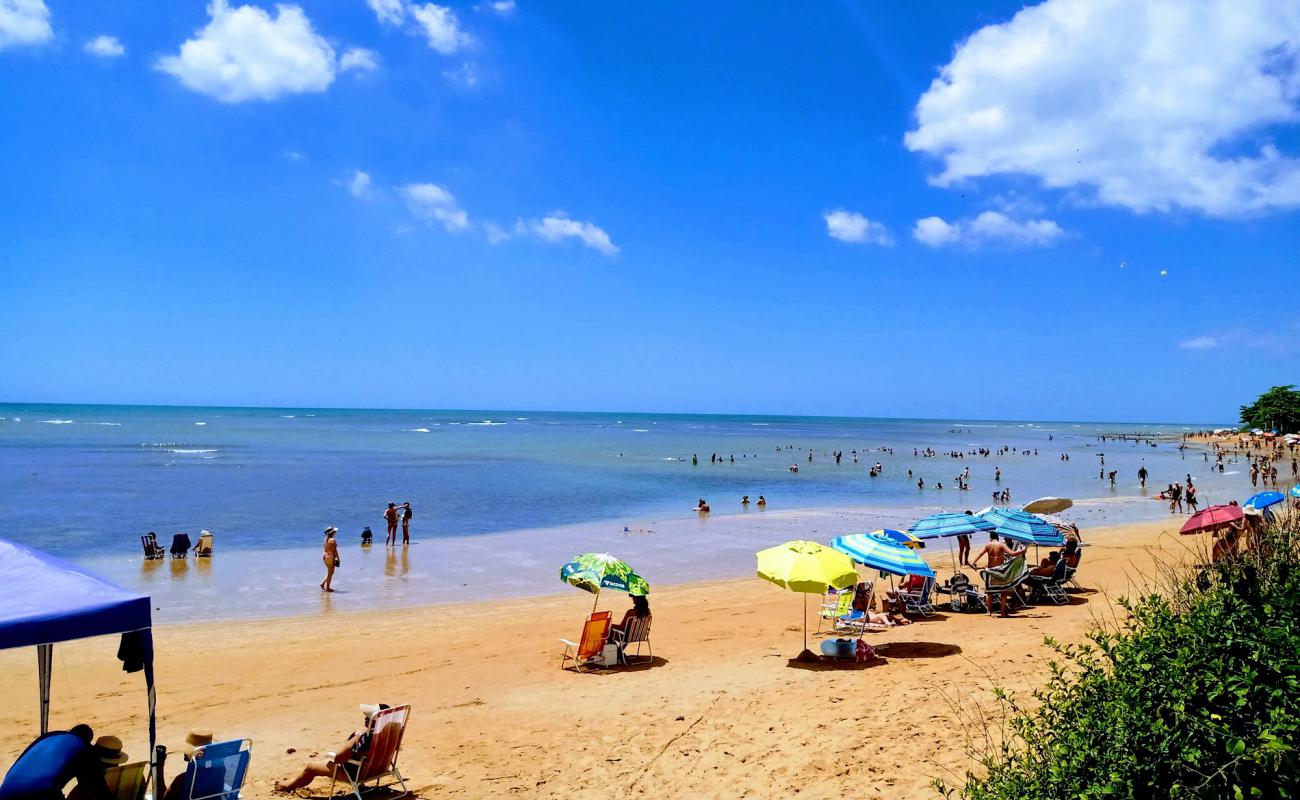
(50, 762)
(353, 748)
(110, 752)
(331, 559)
(193, 741)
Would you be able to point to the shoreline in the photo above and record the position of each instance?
(493, 714)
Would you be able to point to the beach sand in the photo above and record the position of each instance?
(720, 711)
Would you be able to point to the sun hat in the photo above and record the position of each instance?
(371, 709)
(109, 749)
(331, 529)
(194, 740)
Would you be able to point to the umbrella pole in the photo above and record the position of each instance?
(805, 620)
(596, 601)
(953, 554)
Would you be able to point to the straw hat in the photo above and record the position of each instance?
(109, 749)
(194, 740)
(371, 709)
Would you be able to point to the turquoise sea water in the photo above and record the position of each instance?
(84, 481)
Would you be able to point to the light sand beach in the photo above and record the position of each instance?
(721, 710)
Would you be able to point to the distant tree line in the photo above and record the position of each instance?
(1278, 408)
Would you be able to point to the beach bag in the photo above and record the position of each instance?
(338, 562)
(865, 652)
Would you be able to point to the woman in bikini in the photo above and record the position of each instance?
(331, 559)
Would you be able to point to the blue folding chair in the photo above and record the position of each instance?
(216, 771)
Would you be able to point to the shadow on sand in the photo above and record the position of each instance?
(917, 650)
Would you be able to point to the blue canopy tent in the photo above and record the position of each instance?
(44, 600)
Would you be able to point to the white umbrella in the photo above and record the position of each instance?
(1048, 505)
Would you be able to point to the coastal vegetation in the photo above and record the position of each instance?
(1276, 409)
(1196, 693)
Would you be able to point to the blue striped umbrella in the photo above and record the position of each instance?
(1263, 500)
(882, 553)
(901, 537)
(948, 524)
(1023, 526)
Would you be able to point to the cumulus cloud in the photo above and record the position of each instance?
(557, 226)
(441, 27)
(987, 228)
(433, 203)
(850, 226)
(24, 22)
(358, 58)
(246, 54)
(105, 47)
(503, 7)
(360, 186)
(1199, 343)
(1149, 106)
(389, 12)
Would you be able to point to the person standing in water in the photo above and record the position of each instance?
(390, 517)
(331, 559)
(406, 523)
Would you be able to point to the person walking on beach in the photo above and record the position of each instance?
(331, 559)
(406, 523)
(1142, 476)
(1191, 498)
(390, 517)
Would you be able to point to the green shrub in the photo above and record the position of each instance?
(1195, 694)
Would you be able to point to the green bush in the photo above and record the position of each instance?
(1195, 694)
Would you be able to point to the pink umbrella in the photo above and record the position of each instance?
(1211, 518)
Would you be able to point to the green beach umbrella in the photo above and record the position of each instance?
(592, 572)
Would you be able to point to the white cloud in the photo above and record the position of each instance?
(24, 22)
(294, 155)
(850, 226)
(389, 12)
(441, 27)
(465, 76)
(1146, 106)
(105, 46)
(557, 226)
(431, 202)
(503, 7)
(987, 228)
(358, 58)
(1199, 343)
(934, 232)
(495, 233)
(360, 186)
(245, 54)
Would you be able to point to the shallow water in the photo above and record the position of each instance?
(499, 506)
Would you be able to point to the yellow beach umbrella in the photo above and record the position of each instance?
(807, 568)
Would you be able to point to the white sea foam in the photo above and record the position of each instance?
(521, 419)
(114, 424)
(416, 430)
(57, 421)
(286, 416)
(200, 423)
(640, 430)
(487, 422)
(190, 451)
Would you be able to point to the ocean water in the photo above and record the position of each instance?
(500, 496)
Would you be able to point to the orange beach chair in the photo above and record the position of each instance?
(380, 759)
(591, 648)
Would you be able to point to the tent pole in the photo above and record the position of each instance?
(44, 668)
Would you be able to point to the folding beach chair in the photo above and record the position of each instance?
(216, 771)
(918, 602)
(960, 594)
(180, 545)
(835, 605)
(152, 550)
(637, 631)
(1004, 579)
(591, 648)
(855, 622)
(379, 761)
(204, 548)
(1069, 573)
(1052, 587)
(125, 782)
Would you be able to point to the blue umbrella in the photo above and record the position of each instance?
(1263, 500)
(899, 537)
(948, 524)
(882, 553)
(1295, 490)
(1023, 526)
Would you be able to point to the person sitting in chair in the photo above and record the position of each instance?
(355, 747)
(1047, 567)
(862, 605)
(639, 610)
(50, 762)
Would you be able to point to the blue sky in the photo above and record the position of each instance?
(1092, 215)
